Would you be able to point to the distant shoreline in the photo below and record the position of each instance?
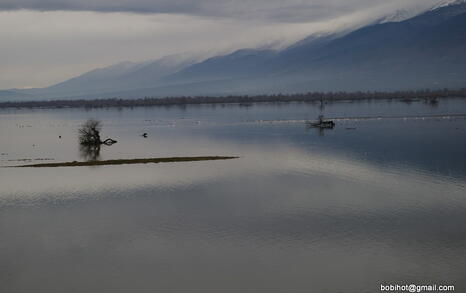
(429, 96)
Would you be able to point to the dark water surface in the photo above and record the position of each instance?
(380, 199)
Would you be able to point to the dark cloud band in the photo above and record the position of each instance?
(276, 10)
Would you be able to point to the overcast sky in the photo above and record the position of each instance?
(43, 42)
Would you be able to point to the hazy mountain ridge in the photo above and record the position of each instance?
(7, 95)
(121, 76)
(425, 51)
(420, 52)
(238, 64)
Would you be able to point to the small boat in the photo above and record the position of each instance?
(321, 123)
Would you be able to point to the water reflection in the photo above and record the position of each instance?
(316, 129)
(384, 203)
(432, 102)
(278, 220)
(89, 152)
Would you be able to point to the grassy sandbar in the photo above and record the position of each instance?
(129, 161)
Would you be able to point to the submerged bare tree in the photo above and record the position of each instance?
(89, 134)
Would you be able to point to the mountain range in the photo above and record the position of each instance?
(401, 52)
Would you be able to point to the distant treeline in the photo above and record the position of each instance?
(430, 96)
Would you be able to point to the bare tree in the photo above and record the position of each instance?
(89, 133)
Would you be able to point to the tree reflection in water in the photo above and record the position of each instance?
(89, 152)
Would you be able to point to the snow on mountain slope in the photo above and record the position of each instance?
(446, 3)
(400, 15)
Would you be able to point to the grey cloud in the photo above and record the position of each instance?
(138, 6)
(276, 10)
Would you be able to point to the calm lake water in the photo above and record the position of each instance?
(379, 199)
